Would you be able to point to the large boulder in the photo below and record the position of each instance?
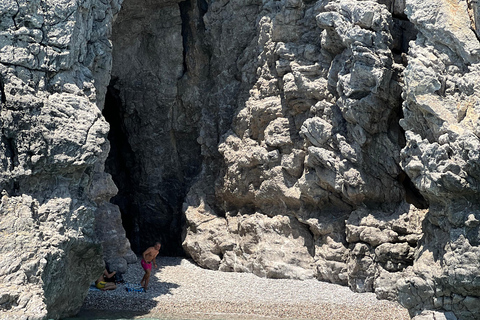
(314, 138)
(55, 58)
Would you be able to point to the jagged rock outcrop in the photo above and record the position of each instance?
(441, 156)
(315, 143)
(330, 139)
(54, 68)
(315, 139)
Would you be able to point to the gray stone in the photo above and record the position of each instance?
(304, 141)
(439, 125)
(54, 68)
(329, 139)
(435, 315)
(317, 131)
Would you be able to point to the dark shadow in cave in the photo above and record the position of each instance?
(120, 159)
(147, 216)
(154, 110)
(412, 194)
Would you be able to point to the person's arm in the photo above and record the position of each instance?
(146, 253)
(109, 275)
(155, 255)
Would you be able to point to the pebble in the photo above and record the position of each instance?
(181, 289)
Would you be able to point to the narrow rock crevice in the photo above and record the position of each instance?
(121, 159)
(403, 31)
(12, 153)
(3, 98)
(185, 7)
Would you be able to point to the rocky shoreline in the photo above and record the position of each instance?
(181, 289)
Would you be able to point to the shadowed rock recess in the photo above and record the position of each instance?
(337, 140)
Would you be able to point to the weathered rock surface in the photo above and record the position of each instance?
(441, 157)
(315, 146)
(314, 142)
(336, 140)
(54, 68)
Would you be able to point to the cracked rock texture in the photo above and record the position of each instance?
(441, 157)
(352, 155)
(55, 58)
(329, 139)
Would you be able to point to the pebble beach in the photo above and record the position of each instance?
(179, 289)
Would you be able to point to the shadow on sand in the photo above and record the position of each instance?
(134, 305)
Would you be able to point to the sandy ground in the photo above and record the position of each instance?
(179, 289)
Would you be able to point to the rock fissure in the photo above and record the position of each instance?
(3, 97)
(184, 7)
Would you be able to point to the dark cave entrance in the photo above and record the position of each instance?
(154, 154)
(150, 212)
(120, 161)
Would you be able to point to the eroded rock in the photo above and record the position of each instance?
(54, 68)
(322, 93)
(330, 139)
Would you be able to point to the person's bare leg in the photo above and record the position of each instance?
(142, 283)
(109, 286)
(147, 279)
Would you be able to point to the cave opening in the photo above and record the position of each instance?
(412, 194)
(150, 211)
(154, 154)
(120, 159)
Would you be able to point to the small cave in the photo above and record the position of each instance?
(412, 194)
(403, 31)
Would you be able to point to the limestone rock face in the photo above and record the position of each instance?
(355, 134)
(55, 58)
(329, 139)
(314, 143)
(441, 156)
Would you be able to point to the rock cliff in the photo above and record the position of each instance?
(55, 58)
(336, 140)
(352, 154)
